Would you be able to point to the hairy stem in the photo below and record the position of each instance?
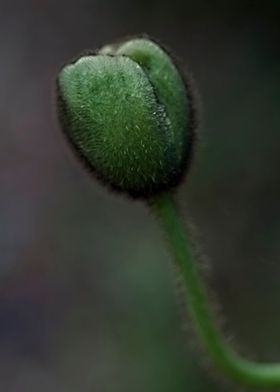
(223, 356)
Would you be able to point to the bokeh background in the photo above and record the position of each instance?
(87, 297)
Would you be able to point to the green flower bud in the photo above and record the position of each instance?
(128, 112)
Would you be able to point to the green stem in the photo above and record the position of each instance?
(227, 360)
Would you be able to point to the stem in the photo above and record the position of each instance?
(223, 356)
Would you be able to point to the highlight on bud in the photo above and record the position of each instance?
(128, 111)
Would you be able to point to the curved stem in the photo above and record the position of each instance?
(227, 360)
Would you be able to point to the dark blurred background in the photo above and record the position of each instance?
(87, 297)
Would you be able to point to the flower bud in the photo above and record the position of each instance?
(128, 112)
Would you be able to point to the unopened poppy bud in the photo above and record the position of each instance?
(128, 111)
